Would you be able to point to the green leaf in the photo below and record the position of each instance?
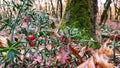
(29, 5)
(6, 20)
(43, 56)
(5, 2)
(41, 33)
(30, 1)
(14, 5)
(25, 31)
(95, 45)
(17, 21)
(0, 17)
(10, 55)
(9, 43)
(16, 51)
(4, 50)
(3, 27)
(117, 45)
(16, 44)
(13, 9)
(1, 47)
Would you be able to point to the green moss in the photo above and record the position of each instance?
(79, 15)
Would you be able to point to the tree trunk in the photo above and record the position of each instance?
(104, 15)
(95, 10)
(78, 14)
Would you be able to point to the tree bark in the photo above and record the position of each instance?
(78, 14)
(95, 10)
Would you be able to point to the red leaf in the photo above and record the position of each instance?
(75, 52)
(117, 37)
(38, 58)
(62, 56)
(1, 43)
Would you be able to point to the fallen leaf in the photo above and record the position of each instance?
(75, 52)
(38, 59)
(24, 25)
(62, 56)
(49, 46)
(100, 58)
(3, 41)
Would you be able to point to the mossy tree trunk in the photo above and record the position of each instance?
(79, 14)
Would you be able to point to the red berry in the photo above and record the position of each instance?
(31, 37)
(32, 43)
(25, 19)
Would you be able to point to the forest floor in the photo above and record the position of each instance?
(113, 25)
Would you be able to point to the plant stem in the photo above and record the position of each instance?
(114, 57)
(13, 26)
(12, 33)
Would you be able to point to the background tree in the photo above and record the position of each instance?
(104, 15)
